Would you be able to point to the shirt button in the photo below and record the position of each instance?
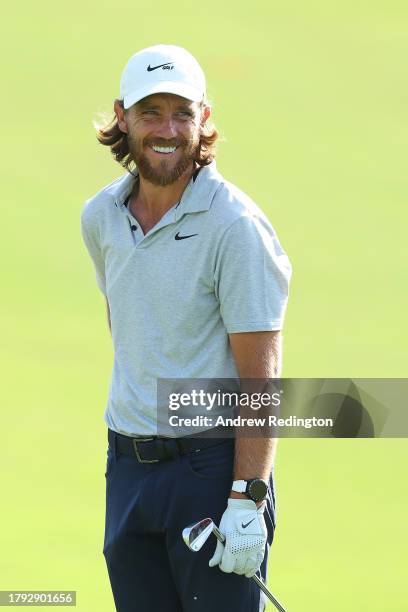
(133, 228)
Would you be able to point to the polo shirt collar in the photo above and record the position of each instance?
(196, 197)
(121, 188)
(199, 193)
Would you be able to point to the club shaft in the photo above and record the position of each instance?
(267, 592)
(255, 578)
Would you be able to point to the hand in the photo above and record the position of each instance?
(243, 526)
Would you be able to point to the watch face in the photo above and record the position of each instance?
(257, 490)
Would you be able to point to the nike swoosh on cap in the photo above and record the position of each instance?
(178, 237)
(149, 68)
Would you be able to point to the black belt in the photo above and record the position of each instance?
(153, 449)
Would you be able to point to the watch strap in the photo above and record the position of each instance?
(239, 486)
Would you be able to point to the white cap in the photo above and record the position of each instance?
(162, 69)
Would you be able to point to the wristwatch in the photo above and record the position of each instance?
(256, 488)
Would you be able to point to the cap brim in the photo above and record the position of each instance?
(179, 89)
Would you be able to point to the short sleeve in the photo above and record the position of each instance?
(90, 236)
(252, 276)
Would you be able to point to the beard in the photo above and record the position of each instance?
(164, 173)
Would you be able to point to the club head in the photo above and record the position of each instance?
(196, 535)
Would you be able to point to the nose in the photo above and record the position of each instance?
(167, 128)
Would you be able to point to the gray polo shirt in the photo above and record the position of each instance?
(211, 266)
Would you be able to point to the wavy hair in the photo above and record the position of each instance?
(109, 134)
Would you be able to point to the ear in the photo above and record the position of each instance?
(205, 114)
(120, 115)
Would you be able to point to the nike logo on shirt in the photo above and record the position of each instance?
(245, 525)
(178, 237)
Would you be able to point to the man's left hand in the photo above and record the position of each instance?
(243, 526)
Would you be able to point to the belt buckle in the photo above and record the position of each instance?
(139, 458)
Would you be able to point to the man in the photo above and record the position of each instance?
(196, 285)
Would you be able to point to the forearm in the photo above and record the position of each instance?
(254, 457)
(258, 357)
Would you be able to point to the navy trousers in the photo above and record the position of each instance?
(147, 506)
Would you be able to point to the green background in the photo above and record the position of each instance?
(310, 99)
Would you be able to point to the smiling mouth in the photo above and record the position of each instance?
(163, 150)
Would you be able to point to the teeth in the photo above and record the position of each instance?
(164, 149)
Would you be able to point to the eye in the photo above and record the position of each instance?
(185, 114)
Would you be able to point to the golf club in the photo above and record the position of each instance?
(196, 535)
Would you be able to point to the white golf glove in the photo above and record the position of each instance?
(243, 526)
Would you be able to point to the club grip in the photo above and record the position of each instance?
(221, 538)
